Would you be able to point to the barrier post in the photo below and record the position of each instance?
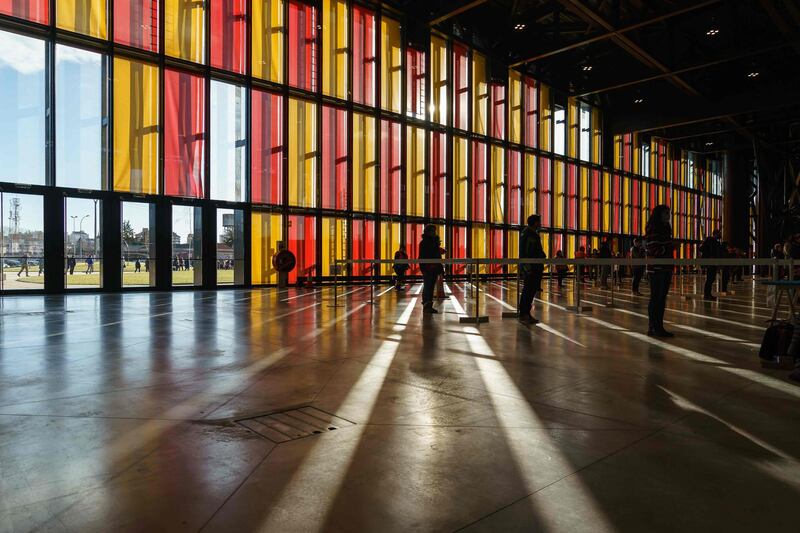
(612, 286)
(477, 319)
(578, 308)
(372, 284)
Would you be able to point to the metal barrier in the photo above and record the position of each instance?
(474, 265)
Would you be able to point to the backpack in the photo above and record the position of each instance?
(775, 345)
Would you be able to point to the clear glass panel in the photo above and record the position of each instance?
(228, 165)
(83, 246)
(138, 244)
(560, 130)
(187, 245)
(23, 109)
(22, 247)
(230, 247)
(586, 132)
(81, 120)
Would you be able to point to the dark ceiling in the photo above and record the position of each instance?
(710, 75)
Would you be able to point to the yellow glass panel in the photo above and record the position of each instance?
(573, 130)
(480, 246)
(460, 178)
(558, 194)
(480, 94)
(334, 243)
(514, 106)
(363, 163)
(135, 126)
(531, 206)
(569, 252)
(415, 173)
(268, 30)
(390, 242)
(497, 185)
(597, 136)
(512, 238)
(184, 29)
(438, 80)
(584, 221)
(545, 238)
(266, 234)
(618, 151)
(391, 66)
(606, 202)
(302, 153)
(626, 204)
(82, 16)
(637, 154)
(545, 118)
(335, 50)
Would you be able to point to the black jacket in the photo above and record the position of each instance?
(530, 247)
(605, 251)
(712, 248)
(429, 248)
(659, 246)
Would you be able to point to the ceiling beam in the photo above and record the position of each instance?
(456, 11)
(615, 32)
(784, 27)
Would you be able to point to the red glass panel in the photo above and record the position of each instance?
(616, 213)
(545, 182)
(438, 176)
(267, 148)
(413, 237)
(363, 245)
(136, 23)
(627, 147)
(302, 46)
(572, 197)
(363, 56)
(478, 182)
(229, 34)
(498, 110)
(496, 250)
(334, 158)
(184, 133)
(597, 208)
(531, 112)
(302, 243)
(457, 247)
(415, 82)
(514, 208)
(556, 244)
(460, 86)
(33, 10)
(391, 167)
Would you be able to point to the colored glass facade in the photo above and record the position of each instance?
(333, 137)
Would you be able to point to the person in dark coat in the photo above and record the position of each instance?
(400, 269)
(711, 249)
(605, 270)
(659, 245)
(637, 252)
(530, 247)
(429, 248)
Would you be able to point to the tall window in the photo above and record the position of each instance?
(415, 79)
(187, 245)
(302, 46)
(184, 134)
(230, 247)
(23, 109)
(460, 178)
(138, 244)
(391, 167)
(229, 34)
(586, 132)
(498, 95)
(80, 118)
(480, 94)
(415, 171)
(184, 29)
(437, 194)
(391, 65)
(82, 243)
(334, 158)
(21, 241)
(514, 187)
(363, 162)
(363, 237)
(302, 243)
(267, 39)
(363, 56)
(335, 48)
(460, 86)
(136, 126)
(498, 188)
(559, 135)
(531, 112)
(514, 106)
(136, 23)
(266, 237)
(266, 160)
(438, 111)
(479, 180)
(228, 144)
(544, 189)
(302, 153)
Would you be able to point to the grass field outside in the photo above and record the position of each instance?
(129, 278)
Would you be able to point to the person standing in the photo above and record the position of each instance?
(89, 265)
(137, 266)
(605, 270)
(711, 249)
(530, 247)
(400, 269)
(429, 248)
(23, 266)
(658, 236)
(637, 252)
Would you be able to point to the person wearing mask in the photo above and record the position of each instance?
(637, 252)
(400, 269)
(530, 247)
(605, 270)
(658, 236)
(429, 248)
(561, 270)
(711, 249)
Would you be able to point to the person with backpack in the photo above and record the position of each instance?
(530, 247)
(711, 249)
(658, 236)
(429, 248)
(400, 269)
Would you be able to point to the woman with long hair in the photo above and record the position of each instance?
(658, 236)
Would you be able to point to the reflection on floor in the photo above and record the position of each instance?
(118, 413)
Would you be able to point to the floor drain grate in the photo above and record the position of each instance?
(294, 424)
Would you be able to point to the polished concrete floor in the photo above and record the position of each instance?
(118, 413)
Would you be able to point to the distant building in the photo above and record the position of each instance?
(176, 239)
